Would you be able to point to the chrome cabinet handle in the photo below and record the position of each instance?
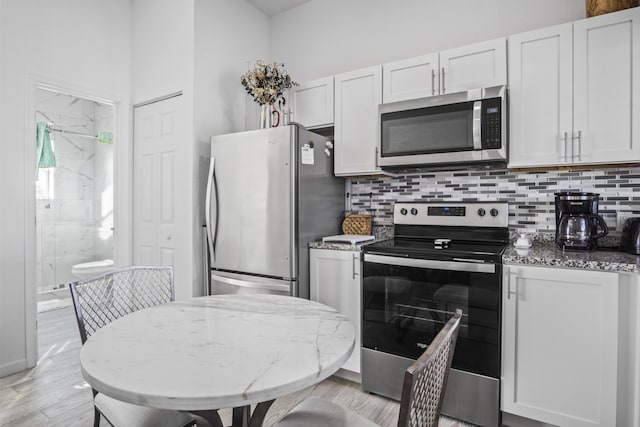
(353, 265)
(376, 159)
(443, 88)
(579, 138)
(433, 81)
(565, 139)
(509, 291)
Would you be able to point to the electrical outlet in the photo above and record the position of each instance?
(621, 218)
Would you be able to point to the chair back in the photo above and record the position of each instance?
(104, 298)
(425, 380)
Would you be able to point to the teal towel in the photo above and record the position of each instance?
(44, 151)
(105, 137)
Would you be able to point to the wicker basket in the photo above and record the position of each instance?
(600, 7)
(357, 224)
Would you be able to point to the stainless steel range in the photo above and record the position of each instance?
(444, 256)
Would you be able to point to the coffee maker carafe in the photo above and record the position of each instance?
(578, 222)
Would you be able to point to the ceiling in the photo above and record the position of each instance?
(273, 7)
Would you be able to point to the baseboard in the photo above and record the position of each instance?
(349, 375)
(13, 367)
(510, 420)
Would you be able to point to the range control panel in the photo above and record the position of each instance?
(455, 214)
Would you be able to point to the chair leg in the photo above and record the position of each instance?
(96, 417)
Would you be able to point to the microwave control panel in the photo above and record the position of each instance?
(491, 119)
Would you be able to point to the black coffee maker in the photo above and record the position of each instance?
(577, 221)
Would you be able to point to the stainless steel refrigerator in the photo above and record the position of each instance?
(269, 193)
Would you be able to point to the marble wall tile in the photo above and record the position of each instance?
(530, 194)
(74, 227)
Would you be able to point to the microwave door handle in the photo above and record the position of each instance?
(477, 125)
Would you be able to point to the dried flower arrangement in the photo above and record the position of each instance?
(266, 83)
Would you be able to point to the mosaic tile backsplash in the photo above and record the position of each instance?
(530, 194)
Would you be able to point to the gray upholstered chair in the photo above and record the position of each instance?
(422, 391)
(107, 297)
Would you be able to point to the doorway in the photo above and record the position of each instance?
(74, 191)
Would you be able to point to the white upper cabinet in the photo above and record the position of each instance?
(312, 103)
(606, 88)
(540, 80)
(474, 66)
(411, 78)
(358, 94)
(455, 70)
(574, 92)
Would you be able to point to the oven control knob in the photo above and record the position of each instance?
(481, 212)
(414, 211)
(494, 212)
(403, 211)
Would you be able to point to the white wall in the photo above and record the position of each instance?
(199, 47)
(162, 48)
(162, 64)
(326, 37)
(85, 43)
(229, 35)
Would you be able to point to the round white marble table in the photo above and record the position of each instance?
(223, 351)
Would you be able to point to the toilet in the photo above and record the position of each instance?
(90, 269)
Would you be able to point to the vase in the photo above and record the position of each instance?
(265, 116)
(269, 116)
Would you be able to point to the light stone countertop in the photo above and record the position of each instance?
(546, 254)
(218, 351)
(542, 253)
(340, 246)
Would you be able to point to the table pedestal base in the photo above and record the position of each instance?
(242, 416)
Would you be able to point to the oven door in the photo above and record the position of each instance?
(407, 301)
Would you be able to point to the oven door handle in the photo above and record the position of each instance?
(473, 267)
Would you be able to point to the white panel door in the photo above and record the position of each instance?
(357, 96)
(560, 345)
(474, 66)
(160, 183)
(607, 88)
(540, 96)
(410, 78)
(335, 281)
(312, 103)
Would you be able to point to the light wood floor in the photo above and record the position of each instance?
(54, 393)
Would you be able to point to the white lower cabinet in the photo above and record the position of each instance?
(560, 345)
(335, 281)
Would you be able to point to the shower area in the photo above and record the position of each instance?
(74, 189)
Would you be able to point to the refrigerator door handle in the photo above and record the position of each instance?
(211, 232)
(265, 284)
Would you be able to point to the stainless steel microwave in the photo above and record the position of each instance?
(445, 131)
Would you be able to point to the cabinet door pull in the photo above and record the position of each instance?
(433, 81)
(509, 291)
(353, 265)
(443, 88)
(580, 145)
(565, 139)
